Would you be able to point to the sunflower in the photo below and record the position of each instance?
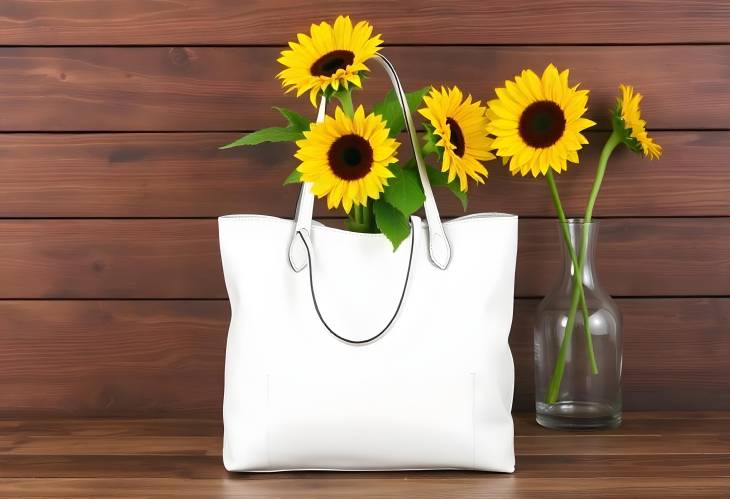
(634, 128)
(462, 127)
(347, 159)
(330, 58)
(537, 122)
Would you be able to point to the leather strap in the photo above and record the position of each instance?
(303, 236)
(303, 216)
(438, 243)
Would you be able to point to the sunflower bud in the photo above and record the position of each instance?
(627, 122)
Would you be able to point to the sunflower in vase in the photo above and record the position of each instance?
(351, 156)
(538, 124)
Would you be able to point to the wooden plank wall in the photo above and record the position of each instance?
(112, 301)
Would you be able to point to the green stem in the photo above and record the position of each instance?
(557, 377)
(577, 270)
(353, 222)
(361, 218)
(345, 99)
(368, 216)
(613, 141)
(608, 148)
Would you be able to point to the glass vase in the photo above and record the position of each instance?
(578, 372)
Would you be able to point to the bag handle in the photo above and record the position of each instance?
(303, 236)
(438, 244)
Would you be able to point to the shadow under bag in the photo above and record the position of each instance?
(345, 355)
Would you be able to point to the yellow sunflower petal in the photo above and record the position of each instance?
(331, 57)
(346, 158)
(537, 121)
(629, 103)
(461, 125)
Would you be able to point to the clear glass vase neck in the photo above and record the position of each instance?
(578, 230)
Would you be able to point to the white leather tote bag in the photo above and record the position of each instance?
(345, 355)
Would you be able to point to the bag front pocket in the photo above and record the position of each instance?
(371, 422)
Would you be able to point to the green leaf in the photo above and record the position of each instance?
(273, 134)
(438, 178)
(404, 191)
(294, 178)
(391, 222)
(389, 108)
(296, 121)
(430, 140)
(298, 124)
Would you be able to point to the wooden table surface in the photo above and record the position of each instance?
(652, 455)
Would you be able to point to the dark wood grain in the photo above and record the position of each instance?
(185, 175)
(636, 257)
(37, 449)
(532, 445)
(547, 445)
(136, 358)
(203, 466)
(126, 459)
(90, 22)
(671, 353)
(181, 259)
(473, 485)
(112, 358)
(233, 88)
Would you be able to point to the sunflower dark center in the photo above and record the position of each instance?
(542, 124)
(457, 137)
(328, 64)
(350, 157)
